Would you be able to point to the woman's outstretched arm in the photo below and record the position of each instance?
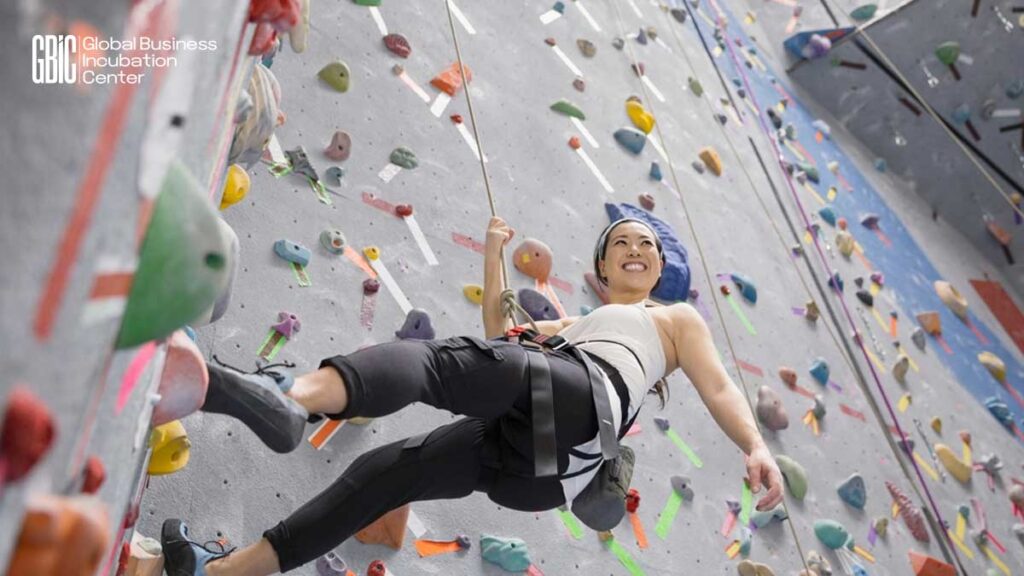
(699, 360)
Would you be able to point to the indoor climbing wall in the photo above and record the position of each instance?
(76, 397)
(875, 84)
(717, 183)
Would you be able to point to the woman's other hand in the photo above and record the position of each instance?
(499, 233)
(762, 470)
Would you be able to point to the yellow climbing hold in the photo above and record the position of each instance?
(474, 293)
(899, 369)
(937, 425)
(641, 118)
(952, 298)
(995, 365)
(956, 467)
(711, 160)
(371, 252)
(845, 243)
(170, 448)
(236, 186)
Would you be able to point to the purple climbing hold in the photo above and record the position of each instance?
(371, 286)
(288, 324)
(661, 423)
(817, 46)
(537, 305)
(331, 564)
(877, 278)
(641, 36)
(417, 326)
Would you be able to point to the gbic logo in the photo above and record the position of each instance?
(53, 59)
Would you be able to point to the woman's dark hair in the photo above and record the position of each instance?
(660, 387)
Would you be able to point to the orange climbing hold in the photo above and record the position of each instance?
(450, 79)
(931, 322)
(924, 565)
(711, 160)
(574, 143)
(388, 530)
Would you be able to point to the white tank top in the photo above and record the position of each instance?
(617, 325)
(628, 325)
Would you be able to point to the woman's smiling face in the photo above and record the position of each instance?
(631, 261)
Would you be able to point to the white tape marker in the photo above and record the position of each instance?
(550, 16)
(1006, 113)
(391, 285)
(276, 154)
(461, 127)
(661, 43)
(593, 168)
(586, 133)
(635, 8)
(379, 20)
(421, 240)
(657, 147)
(440, 103)
(461, 18)
(415, 525)
(654, 89)
(572, 67)
(965, 59)
(388, 172)
(671, 189)
(416, 89)
(586, 14)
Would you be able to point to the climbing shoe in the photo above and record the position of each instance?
(258, 400)
(183, 557)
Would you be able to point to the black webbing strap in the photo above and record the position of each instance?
(542, 403)
(602, 406)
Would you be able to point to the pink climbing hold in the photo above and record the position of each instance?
(911, 514)
(287, 325)
(183, 382)
(340, 147)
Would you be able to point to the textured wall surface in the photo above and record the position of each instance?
(868, 103)
(61, 146)
(236, 488)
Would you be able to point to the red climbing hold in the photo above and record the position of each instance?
(398, 44)
(632, 500)
(376, 568)
(457, 118)
(27, 433)
(371, 286)
(283, 15)
(403, 210)
(638, 68)
(725, 290)
(94, 474)
(450, 79)
(574, 143)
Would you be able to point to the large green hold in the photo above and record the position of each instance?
(336, 75)
(794, 474)
(368, 2)
(569, 109)
(948, 52)
(509, 553)
(183, 263)
(865, 12)
(404, 157)
(832, 534)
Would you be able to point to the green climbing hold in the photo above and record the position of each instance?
(183, 263)
(794, 475)
(865, 12)
(336, 75)
(509, 553)
(631, 139)
(832, 534)
(948, 52)
(404, 157)
(569, 109)
(695, 87)
(367, 2)
(811, 171)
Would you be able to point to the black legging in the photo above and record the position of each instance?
(490, 451)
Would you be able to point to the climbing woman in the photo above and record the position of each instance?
(540, 416)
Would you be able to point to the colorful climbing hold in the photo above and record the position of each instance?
(171, 448)
(333, 176)
(832, 534)
(579, 84)
(333, 240)
(948, 52)
(788, 376)
(746, 287)
(865, 297)
(710, 157)
(631, 139)
(900, 368)
(828, 215)
(994, 364)
(865, 12)
(474, 293)
(999, 410)
(533, 258)
(853, 491)
(575, 143)
(404, 157)
(820, 371)
(417, 326)
(449, 80)
(930, 322)
(954, 465)
(569, 109)
(811, 311)
(371, 286)
(952, 298)
(646, 201)
(388, 530)
(587, 48)
(770, 411)
(537, 305)
(655, 172)
(924, 565)
(750, 568)
(398, 45)
(682, 486)
(794, 475)
(292, 252)
(403, 210)
(845, 243)
(910, 513)
(340, 146)
(236, 186)
(331, 564)
(183, 381)
(641, 118)
(337, 75)
(509, 553)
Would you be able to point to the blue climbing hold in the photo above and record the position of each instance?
(746, 286)
(810, 170)
(292, 251)
(675, 276)
(881, 165)
(417, 326)
(828, 215)
(631, 139)
(870, 220)
(820, 371)
(584, 309)
(853, 492)
(537, 305)
(1000, 410)
(509, 553)
(655, 172)
(836, 282)
(559, 7)
(760, 519)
